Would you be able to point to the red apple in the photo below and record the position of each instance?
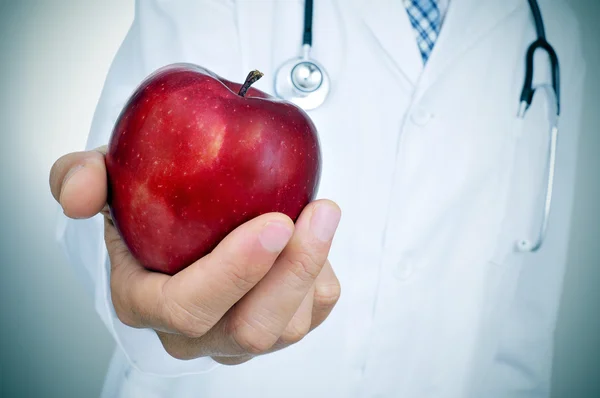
(192, 156)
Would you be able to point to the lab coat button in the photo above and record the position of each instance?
(403, 270)
(420, 117)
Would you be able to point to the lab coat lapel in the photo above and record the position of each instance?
(388, 22)
(466, 22)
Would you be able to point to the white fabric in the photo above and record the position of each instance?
(436, 178)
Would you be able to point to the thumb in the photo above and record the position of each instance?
(78, 182)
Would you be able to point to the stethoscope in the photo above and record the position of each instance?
(305, 82)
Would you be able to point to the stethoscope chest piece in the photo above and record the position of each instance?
(302, 81)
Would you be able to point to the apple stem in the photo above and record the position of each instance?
(250, 80)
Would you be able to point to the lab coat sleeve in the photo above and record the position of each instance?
(523, 362)
(83, 240)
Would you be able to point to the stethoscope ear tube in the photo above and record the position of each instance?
(528, 90)
(525, 245)
(553, 96)
(308, 22)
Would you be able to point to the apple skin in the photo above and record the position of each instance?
(189, 160)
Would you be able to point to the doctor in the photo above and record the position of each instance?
(437, 178)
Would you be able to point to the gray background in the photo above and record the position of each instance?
(55, 55)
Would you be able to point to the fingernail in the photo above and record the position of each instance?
(68, 176)
(274, 236)
(324, 221)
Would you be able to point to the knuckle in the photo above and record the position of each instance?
(232, 361)
(184, 321)
(327, 296)
(176, 351)
(243, 277)
(295, 332)
(304, 266)
(254, 345)
(252, 340)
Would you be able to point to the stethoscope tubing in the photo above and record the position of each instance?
(314, 95)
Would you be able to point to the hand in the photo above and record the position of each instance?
(264, 287)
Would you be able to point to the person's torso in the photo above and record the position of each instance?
(424, 164)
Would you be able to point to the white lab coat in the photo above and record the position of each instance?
(436, 177)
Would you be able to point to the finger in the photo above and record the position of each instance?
(300, 324)
(260, 318)
(193, 300)
(137, 294)
(313, 310)
(233, 360)
(326, 296)
(78, 182)
(198, 297)
(187, 348)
